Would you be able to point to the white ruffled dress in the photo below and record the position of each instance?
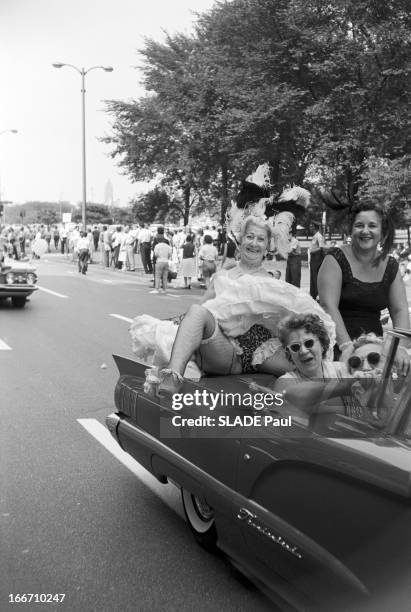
(239, 304)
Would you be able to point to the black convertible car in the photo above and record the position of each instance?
(319, 522)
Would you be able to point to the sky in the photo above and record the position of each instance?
(43, 161)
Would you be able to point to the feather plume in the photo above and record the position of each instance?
(298, 195)
(261, 176)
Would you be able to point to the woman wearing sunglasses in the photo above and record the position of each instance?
(324, 386)
(367, 356)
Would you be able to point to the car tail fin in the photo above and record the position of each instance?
(129, 366)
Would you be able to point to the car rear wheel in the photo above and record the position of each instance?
(19, 301)
(200, 518)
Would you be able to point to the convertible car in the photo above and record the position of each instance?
(319, 521)
(17, 281)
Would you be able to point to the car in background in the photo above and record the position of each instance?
(17, 281)
(319, 521)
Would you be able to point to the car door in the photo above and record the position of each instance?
(328, 510)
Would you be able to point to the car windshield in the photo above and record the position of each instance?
(386, 399)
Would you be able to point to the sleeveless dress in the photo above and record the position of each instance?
(361, 303)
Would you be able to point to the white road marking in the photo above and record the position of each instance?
(60, 295)
(4, 346)
(168, 493)
(116, 316)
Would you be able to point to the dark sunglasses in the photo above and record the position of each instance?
(356, 362)
(295, 347)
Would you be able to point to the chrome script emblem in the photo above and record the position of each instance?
(252, 521)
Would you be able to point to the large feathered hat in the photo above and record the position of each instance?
(280, 213)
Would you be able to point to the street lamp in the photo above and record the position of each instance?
(3, 204)
(83, 73)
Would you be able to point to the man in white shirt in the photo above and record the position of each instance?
(144, 241)
(63, 240)
(128, 245)
(83, 249)
(116, 244)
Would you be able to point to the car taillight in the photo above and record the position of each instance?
(126, 395)
(9, 278)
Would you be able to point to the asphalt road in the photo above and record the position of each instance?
(75, 518)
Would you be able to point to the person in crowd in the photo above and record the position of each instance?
(317, 253)
(357, 281)
(293, 269)
(14, 249)
(73, 240)
(106, 247)
(189, 232)
(63, 240)
(316, 385)
(83, 249)
(129, 243)
(208, 256)
(117, 239)
(188, 262)
(47, 238)
(21, 237)
(229, 254)
(96, 237)
(162, 255)
(181, 239)
(158, 238)
(199, 238)
(56, 237)
(144, 242)
(221, 240)
(234, 328)
(214, 235)
(90, 239)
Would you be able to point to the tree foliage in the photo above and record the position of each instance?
(318, 89)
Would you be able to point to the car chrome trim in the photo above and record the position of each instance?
(112, 421)
(253, 521)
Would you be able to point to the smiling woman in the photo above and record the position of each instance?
(356, 282)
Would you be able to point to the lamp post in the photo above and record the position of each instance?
(83, 73)
(3, 204)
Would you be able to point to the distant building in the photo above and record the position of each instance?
(108, 194)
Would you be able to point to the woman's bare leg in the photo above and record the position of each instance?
(197, 325)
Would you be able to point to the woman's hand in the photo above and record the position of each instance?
(346, 353)
(402, 361)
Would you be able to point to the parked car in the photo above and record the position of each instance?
(319, 522)
(17, 281)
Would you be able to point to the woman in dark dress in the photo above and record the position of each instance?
(357, 281)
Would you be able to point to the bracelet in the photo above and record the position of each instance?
(168, 372)
(345, 344)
